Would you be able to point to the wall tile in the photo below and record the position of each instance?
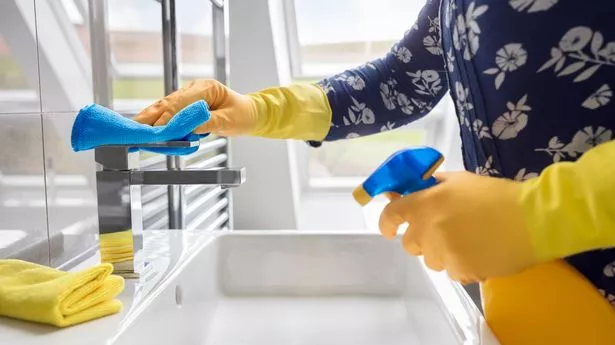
(23, 223)
(19, 82)
(64, 55)
(71, 190)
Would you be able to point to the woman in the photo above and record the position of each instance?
(531, 81)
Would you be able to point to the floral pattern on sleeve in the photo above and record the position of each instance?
(392, 91)
(531, 81)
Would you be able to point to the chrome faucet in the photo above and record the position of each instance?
(118, 177)
(118, 181)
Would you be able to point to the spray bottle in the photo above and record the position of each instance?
(549, 303)
(404, 172)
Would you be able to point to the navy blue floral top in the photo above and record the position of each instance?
(531, 81)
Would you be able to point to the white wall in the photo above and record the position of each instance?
(258, 59)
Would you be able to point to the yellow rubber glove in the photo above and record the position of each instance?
(42, 294)
(478, 227)
(299, 111)
(469, 225)
(571, 207)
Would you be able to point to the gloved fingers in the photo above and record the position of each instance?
(392, 196)
(396, 213)
(415, 244)
(211, 91)
(214, 93)
(457, 273)
(443, 176)
(389, 222)
(164, 118)
(213, 125)
(433, 262)
(410, 242)
(466, 281)
(463, 279)
(147, 116)
(152, 115)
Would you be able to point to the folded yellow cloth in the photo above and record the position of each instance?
(42, 294)
(116, 247)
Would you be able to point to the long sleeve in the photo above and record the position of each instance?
(394, 90)
(570, 207)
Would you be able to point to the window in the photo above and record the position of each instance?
(136, 47)
(335, 35)
(136, 68)
(135, 29)
(328, 37)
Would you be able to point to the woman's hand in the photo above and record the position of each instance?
(297, 111)
(469, 225)
(231, 113)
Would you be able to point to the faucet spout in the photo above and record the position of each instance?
(227, 177)
(119, 181)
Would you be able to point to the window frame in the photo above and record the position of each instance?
(127, 70)
(433, 124)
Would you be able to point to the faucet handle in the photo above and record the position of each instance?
(167, 144)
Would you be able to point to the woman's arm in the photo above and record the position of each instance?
(394, 90)
(571, 206)
(381, 95)
(479, 227)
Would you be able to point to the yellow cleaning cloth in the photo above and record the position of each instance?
(42, 294)
(116, 247)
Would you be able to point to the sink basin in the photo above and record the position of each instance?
(280, 287)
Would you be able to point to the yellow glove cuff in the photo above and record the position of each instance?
(299, 111)
(570, 208)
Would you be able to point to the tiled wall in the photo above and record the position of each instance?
(47, 192)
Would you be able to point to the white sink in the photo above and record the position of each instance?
(287, 288)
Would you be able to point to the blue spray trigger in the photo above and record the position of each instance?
(404, 172)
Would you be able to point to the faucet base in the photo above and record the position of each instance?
(119, 249)
(125, 270)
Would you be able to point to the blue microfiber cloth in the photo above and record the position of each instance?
(96, 126)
